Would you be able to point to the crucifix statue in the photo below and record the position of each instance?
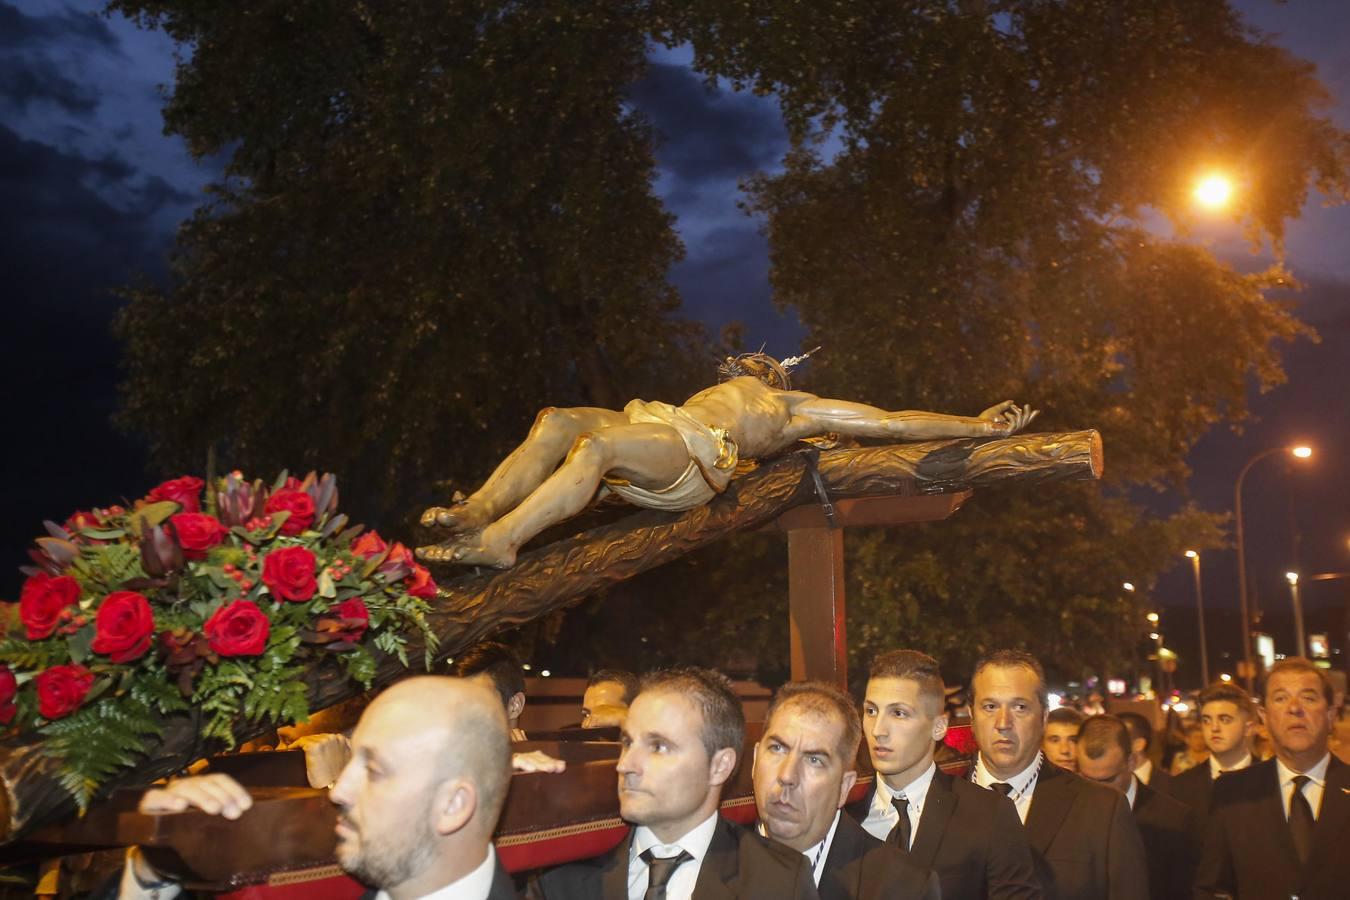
(675, 458)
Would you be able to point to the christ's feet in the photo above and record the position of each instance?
(461, 515)
(471, 549)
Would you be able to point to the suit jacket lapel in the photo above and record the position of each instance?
(1050, 803)
(614, 873)
(1333, 819)
(720, 866)
(938, 808)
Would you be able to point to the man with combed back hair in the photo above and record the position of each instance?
(682, 742)
(418, 801)
(608, 694)
(1167, 827)
(804, 768)
(1083, 838)
(1141, 743)
(1227, 720)
(969, 837)
(1280, 828)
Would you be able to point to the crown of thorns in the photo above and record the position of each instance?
(762, 366)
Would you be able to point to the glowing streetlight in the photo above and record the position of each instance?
(1299, 640)
(1191, 554)
(1129, 586)
(1213, 191)
(1194, 557)
(1152, 618)
(1225, 678)
(1248, 667)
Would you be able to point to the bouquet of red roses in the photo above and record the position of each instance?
(208, 600)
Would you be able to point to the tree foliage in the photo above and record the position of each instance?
(439, 217)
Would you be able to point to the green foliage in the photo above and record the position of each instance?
(96, 741)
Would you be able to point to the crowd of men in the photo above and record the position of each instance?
(430, 765)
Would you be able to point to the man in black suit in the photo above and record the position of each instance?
(1280, 828)
(804, 768)
(971, 838)
(418, 801)
(1227, 719)
(1168, 828)
(1083, 838)
(1141, 745)
(681, 743)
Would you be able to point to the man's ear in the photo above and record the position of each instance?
(940, 727)
(721, 766)
(454, 805)
(850, 779)
(1138, 745)
(515, 706)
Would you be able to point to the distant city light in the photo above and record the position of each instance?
(1191, 554)
(1214, 191)
(1055, 700)
(1129, 585)
(1302, 452)
(1225, 677)
(1291, 577)
(545, 672)
(1153, 635)
(1181, 706)
(525, 666)
(1153, 618)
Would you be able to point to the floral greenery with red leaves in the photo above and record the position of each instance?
(213, 602)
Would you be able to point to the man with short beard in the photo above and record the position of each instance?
(971, 838)
(1280, 828)
(682, 741)
(1227, 719)
(418, 800)
(804, 768)
(1083, 838)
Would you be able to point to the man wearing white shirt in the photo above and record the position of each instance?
(970, 838)
(804, 768)
(1227, 719)
(681, 744)
(1083, 838)
(418, 801)
(1280, 828)
(1166, 826)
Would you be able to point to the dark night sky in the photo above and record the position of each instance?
(90, 191)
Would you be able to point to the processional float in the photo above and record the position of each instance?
(734, 453)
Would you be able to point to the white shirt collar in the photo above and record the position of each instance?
(915, 792)
(695, 842)
(1145, 771)
(1133, 791)
(474, 886)
(1215, 770)
(1317, 774)
(1019, 782)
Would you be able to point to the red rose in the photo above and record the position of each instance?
(197, 533)
(353, 619)
(369, 545)
(237, 629)
(123, 627)
(185, 491)
(8, 688)
(298, 503)
(42, 600)
(289, 574)
(81, 519)
(61, 690)
(420, 583)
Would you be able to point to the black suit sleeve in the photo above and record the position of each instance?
(1214, 874)
(1127, 865)
(1010, 872)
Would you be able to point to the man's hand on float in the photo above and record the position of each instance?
(218, 795)
(1008, 418)
(536, 761)
(326, 755)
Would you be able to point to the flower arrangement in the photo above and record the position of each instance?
(204, 600)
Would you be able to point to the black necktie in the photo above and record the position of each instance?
(899, 835)
(1002, 787)
(1301, 820)
(660, 871)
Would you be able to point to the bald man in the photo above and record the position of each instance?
(418, 801)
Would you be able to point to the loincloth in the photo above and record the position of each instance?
(712, 460)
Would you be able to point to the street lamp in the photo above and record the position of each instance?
(1298, 613)
(1213, 191)
(1194, 557)
(1249, 669)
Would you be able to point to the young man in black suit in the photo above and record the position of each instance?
(1167, 827)
(418, 801)
(804, 768)
(681, 743)
(1227, 719)
(1280, 828)
(1141, 742)
(1083, 838)
(970, 837)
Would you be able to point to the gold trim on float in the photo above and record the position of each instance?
(516, 840)
(300, 876)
